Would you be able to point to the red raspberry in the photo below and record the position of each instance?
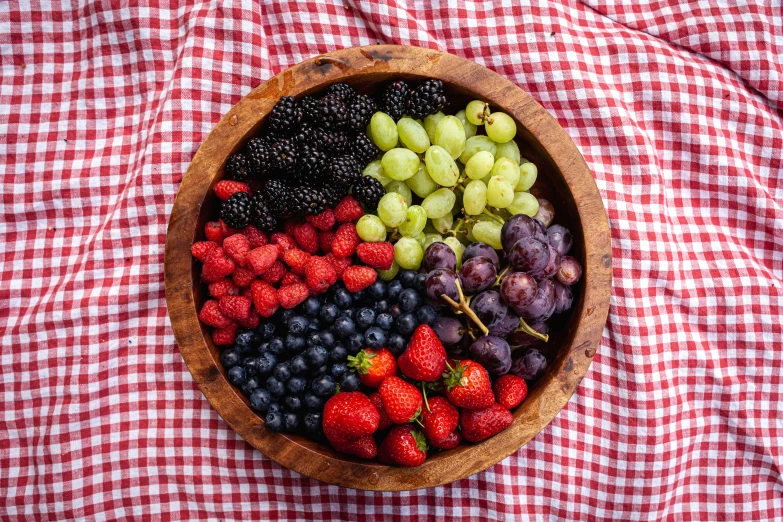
(510, 390)
(211, 315)
(345, 240)
(323, 221)
(264, 298)
(226, 187)
(307, 238)
(348, 210)
(338, 263)
(256, 237)
(325, 239)
(297, 260)
(200, 249)
(235, 307)
(214, 232)
(252, 321)
(245, 291)
(290, 225)
(378, 255)
(224, 336)
(359, 277)
(320, 274)
(286, 242)
(216, 266)
(261, 258)
(290, 279)
(227, 230)
(292, 295)
(275, 273)
(237, 246)
(223, 288)
(242, 277)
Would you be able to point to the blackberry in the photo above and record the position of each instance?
(344, 170)
(394, 99)
(305, 134)
(238, 167)
(257, 152)
(285, 116)
(261, 215)
(331, 142)
(235, 211)
(310, 163)
(306, 200)
(360, 112)
(309, 107)
(333, 194)
(283, 155)
(276, 194)
(369, 192)
(343, 90)
(426, 99)
(332, 113)
(363, 149)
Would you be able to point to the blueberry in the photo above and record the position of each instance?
(266, 363)
(282, 371)
(348, 312)
(338, 354)
(294, 344)
(313, 402)
(393, 290)
(285, 315)
(374, 337)
(314, 339)
(299, 365)
(246, 338)
(251, 383)
(396, 344)
(290, 421)
(384, 321)
(317, 356)
(320, 370)
(275, 387)
(312, 422)
(407, 278)
(355, 343)
(419, 284)
(230, 358)
(295, 384)
(245, 350)
(324, 386)
(251, 365)
(329, 313)
(426, 315)
(327, 339)
(260, 399)
(311, 306)
(350, 382)
(274, 406)
(344, 326)
(276, 346)
(274, 421)
(394, 311)
(409, 300)
(381, 306)
(298, 324)
(236, 376)
(292, 403)
(377, 290)
(359, 297)
(338, 370)
(364, 318)
(314, 325)
(342, 298)
(406, 323)
(266, 330)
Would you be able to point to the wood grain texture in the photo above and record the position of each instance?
(563, 178)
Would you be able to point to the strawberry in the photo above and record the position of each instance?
(440, 419)
(274, 273)
(385, 421)
(339, 263)
(225, 188)
(401, 400)
(216, 266)
(214, 232)
(264, 298)
(243, 277)
(323, 221)
(325, 239)
(359, 277)
(226, 230)
(478, 425)
(290, 279)
(345, 240)
(235, 307)
(348, 416)
(404, 446)
(223, 288)
(373, 366)
(285, 241)
(452, 441)
(468, 386)
(306, 237)
(200, 249)
(237, 246)
(252, 321)
(363, 447)
(211, 315)
(320, 275)
(262, 258)
(297, 260)
(425, 358)
(225, 336)
(348, 210)
(378, 255)
(510, 390)
(256, 237)
(292, 295)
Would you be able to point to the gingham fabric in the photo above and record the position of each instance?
(677, 108)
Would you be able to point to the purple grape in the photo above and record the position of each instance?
(569, 270)
(520, 226)
(448, 329)
(441, 281)
(564, 298)
(489, 308)
(493, 353)
(529, 255)
(518, 290)
(546, 212)
(521, 339)
(551, 267)
(477, 274)
(439, 255)
(506, 326)
(479, 249)
(560, 239)
(530, 366)
(543, 306)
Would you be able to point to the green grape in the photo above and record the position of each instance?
(457, 247)
(507, 168)
(528, 172)
(388, 275)
(402, 189)
(421, 183)
(474, 112)
(383, 131)
(374, 169)
(475, 144)
(450, 135)
(524, 203)
(480, 165)
(415, 220)
(522, 161)
(439, 203)
(470, 129)
(430, 122)
(371, 228)
(413, 135)
(430, 239)
(475, 198)
(392, 209)
(408, 253)
(489, 233)
(441, 167)
(500, 127)
(500, 193)
(420, 238)
(510, 150)
(443, 224)
(400, 164)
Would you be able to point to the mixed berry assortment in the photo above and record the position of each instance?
(380, 275)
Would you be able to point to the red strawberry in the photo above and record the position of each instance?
(373, 366)
(226, 187)
(243, 277)
(214, 232)
(339, 263)
(290, 224)
(320, 274)
(325, 239)
(290, 279)
(200, 249)
(404, 446)
(359, 277)
(223, 288)
(378, 255)
(348, 210)
(286, 242)
(323, 221)
(425, 358)
(211, 315)
(439, 420)
(252, 321)
(297, 260)
(237, 247)
(452, 441)
(292, 295)
(264, 298)
(262, 258)
(306, 237)
(401, 400)
(481, 424)
(274, 273)
(235, 307)
(345, 240)
(227, 230)
(256, 237)
(468, 386)
(363, 447)
(224, 336)
(510, 390)
(348, 416)
(385, 421)
(216, 266)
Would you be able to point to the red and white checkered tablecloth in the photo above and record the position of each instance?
(677, 108)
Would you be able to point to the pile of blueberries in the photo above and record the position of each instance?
(294, 361)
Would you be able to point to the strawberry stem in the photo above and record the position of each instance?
(464, 308)
(424, 394)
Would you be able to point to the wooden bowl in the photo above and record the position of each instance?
(564, 179)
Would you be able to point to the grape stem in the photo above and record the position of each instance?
(463, 307)
(530, 331)
(500, 276)
(459, 225)
(493, 216)
(485, 114)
